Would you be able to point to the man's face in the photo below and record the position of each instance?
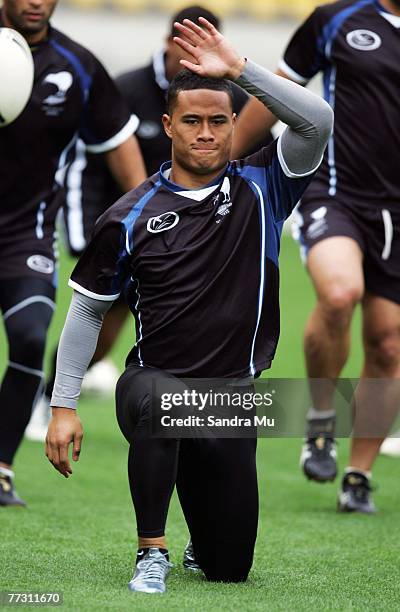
(28, 16)
(201, 130)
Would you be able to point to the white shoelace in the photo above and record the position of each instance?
(153, 569)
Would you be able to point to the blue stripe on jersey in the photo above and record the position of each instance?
(331, 29)
(330, 96)
(263, 232)
(273, 229)
(130, 220)
(127, 243)
(127, 247)
(325, 43)
(84, 77)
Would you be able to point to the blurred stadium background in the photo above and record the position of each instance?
(125, 39)
(252, 8)
(78, 537)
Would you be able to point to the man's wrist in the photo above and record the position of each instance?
(60, 410)
(238, 69)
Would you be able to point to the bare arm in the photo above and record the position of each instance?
(253, 125)
(126, 164)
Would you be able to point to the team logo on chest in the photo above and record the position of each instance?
(162, 223)
(223, 198)
(364, 40)
(54, 103)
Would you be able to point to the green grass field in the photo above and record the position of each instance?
(77, 536)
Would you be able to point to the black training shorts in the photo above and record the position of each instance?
(376, 231)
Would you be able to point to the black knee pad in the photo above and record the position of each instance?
(26, 332)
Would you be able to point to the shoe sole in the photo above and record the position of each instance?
(148, 591)
(320, 480)
(347, 510)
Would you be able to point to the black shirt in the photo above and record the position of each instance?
(199, 269)
(357, 47)
(72, 95)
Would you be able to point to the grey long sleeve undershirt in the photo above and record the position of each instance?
(77, 345)
(300, 150)
(308, 117)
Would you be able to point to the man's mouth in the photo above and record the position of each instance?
(204, 149)
(34, 16)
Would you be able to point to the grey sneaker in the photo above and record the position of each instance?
(150, 573)
(189, 559)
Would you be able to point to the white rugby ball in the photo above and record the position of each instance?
(16, 75)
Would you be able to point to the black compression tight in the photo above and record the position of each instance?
(27, 306)
(216, 481)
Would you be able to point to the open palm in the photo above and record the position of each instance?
(213, 56)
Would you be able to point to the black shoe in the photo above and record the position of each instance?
(318, 458)
(8, 495)
(355, 494)
(189, 560)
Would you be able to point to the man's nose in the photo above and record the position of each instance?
(205, 133)
(36, 3)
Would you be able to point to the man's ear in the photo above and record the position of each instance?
(234, 118)
(166, 119)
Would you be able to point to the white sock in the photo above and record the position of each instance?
(6, 472)
(351, 468)
(313, 414)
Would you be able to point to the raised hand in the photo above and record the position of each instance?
(213, 56)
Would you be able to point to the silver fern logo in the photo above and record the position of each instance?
(162, 223)
(364, 40)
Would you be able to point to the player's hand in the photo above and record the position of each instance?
(65, 428)
(213, 56)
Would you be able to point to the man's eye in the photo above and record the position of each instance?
(218, 121)
(191, 121)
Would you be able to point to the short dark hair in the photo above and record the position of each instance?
(187, 80)
(193, 13)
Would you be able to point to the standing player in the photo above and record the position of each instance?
(91, 188)
(349, 225)
(72, 94)
(198, 245)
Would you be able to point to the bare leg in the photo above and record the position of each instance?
(377, 401)
(335, 266)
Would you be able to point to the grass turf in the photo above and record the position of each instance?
(78, 536)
